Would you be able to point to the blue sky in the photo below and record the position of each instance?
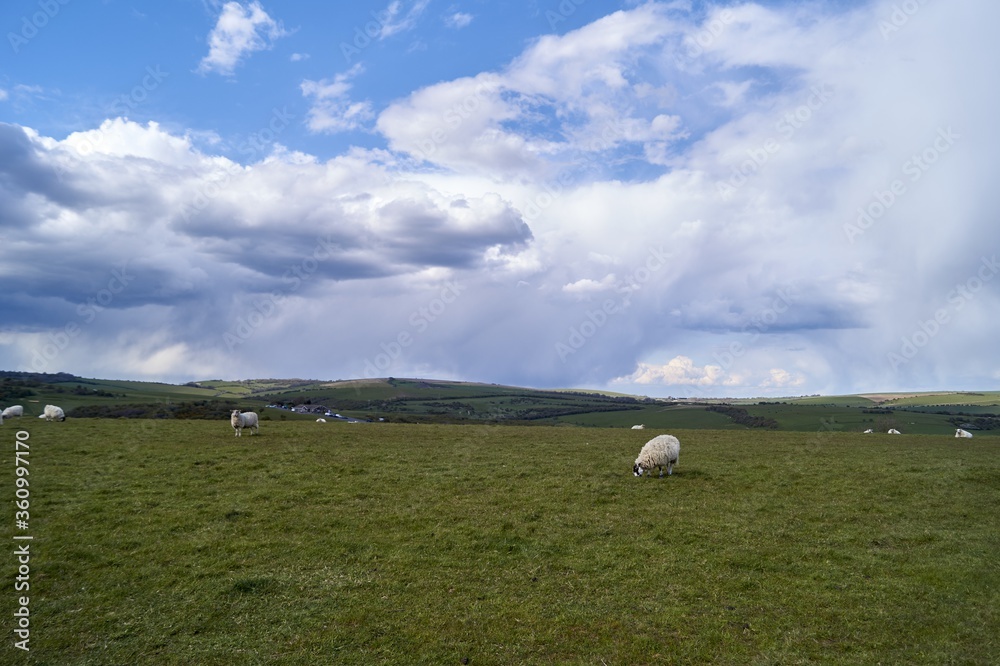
(665, 198)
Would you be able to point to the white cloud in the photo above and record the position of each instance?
(733, 93)
(587, 286)
(299, 57)
(778, 378)
(678, 371)
(395, 20)
(458, 20)
(240, 30)
(585, 79)
(332, 109)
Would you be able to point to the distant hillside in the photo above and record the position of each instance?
(438, 401)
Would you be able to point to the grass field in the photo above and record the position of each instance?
(173, 542)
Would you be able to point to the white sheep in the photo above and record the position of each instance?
(661, 451)
(320, 420)
(13, 410)
(53, 413)
(962, 433)
(638, 427)
(242, 420)
(869, 431)
(893, 431)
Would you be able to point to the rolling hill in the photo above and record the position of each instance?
(437, 401)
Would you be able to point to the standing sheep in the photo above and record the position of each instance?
(53, 413)
(661, 451)
(13, 410)
(242, 420)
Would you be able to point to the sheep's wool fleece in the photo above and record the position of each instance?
(659, 451)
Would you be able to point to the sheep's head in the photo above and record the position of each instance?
(637, 469)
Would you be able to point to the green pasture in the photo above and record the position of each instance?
(957, 400)
(174, 542)
(656, 416)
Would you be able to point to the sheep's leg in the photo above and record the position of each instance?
(661, 471)
(670, 469)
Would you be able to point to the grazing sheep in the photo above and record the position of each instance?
(13, 410)
(962, 433)
(320, 420)
(661, 451)
(893, 431)
(242, 420)
(53, 413)
(638, 427)
(869, 431)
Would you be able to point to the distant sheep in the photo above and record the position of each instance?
(893, 431)
(661, 451)
(869, 431)
(242, 420)
(320, 420)
(53, 413)
(638, 427)
(962, 433)
(13, 410)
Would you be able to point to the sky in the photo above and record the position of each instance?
(680, 198)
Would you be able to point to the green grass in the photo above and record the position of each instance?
(173, 542)
(674, 417)
(834, 401)
(982, 398)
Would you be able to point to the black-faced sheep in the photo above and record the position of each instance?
(661, 451)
